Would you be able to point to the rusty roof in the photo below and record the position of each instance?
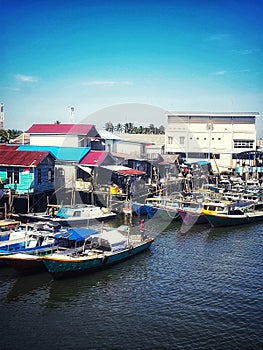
(21, 158)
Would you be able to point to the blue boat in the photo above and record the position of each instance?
(100, 251)
(28, 237)
(148, 208)
(30, 260)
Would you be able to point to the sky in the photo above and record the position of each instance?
(188, 55)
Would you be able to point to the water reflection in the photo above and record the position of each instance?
(27, 286)
(71, 289)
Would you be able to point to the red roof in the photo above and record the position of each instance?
(130, 172)
(22, 158)
(74, 129)
(7, 147)
(94, 158)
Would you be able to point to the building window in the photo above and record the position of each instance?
(61, 172)
(50, 177)
(181, 140)
(216, 156)
(39, 176)
(170, 140)
(13, 175)
(244, 144)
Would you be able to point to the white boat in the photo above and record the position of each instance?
(73, 215)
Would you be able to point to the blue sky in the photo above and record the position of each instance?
(173, 55)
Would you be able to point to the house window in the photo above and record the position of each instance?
(39, 176)
(13, 175)
(61, 172)
(243, 143)
(170, 140)
(50, 177)
(181, 140)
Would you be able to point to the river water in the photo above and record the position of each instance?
(194, 289)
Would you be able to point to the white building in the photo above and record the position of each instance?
(212, 136)
(64, 135)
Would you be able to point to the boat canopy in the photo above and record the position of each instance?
(116, 239)
(76, 234)
(241, 204)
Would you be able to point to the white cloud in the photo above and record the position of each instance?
(25, 78)
(219, 72)
(218, 37)
(106, 83)
(246, 51)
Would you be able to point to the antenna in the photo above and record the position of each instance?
(2, 116)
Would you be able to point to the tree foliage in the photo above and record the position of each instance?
(9, 134)
(130, 128)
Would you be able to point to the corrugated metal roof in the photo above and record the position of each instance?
(94, 158)
(108, 135)
(73, 129)
(22, 158)
(7, 147)
(124, 170)
(60, 153)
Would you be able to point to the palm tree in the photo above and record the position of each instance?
(109, 127)
(151, 129)
(119, 127)
(128, 127)
(4, 136)
(161, 129)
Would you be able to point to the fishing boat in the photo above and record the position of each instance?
(51, 211)
(27, 238)
(191, 209)
(147, 208)
(74, 215)
(191, 213)
(30, 261)
(237, 213)
(6, 227)
(101, 250)
(167, 209)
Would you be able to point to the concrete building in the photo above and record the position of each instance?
(215, 136)
(65, 135)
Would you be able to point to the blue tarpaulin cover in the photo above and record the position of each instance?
(77, 234)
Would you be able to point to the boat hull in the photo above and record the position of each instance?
(192, 218)
(232, 220)
(71, 267)
(139, 209)
(65, 221)
(25, 266)
(168, 214)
